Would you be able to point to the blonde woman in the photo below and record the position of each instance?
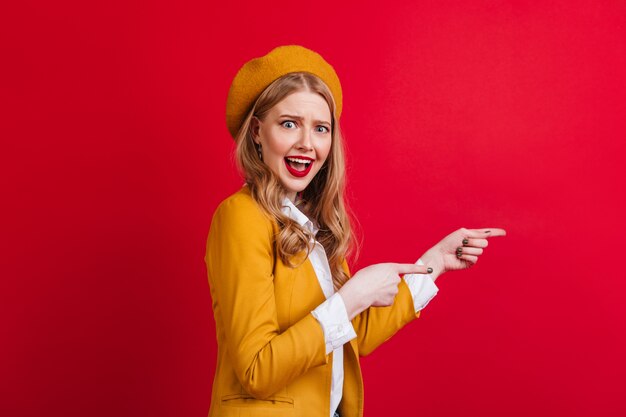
(291, 321)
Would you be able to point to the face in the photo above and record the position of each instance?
(295, 139)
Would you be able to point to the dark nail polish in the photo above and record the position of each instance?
(487, 231)
(430, 270)
(465, 241)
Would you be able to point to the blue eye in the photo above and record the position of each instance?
(326, 131)
(286, 121)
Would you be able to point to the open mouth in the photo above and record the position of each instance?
(298, 166)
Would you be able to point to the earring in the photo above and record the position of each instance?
(258, 150)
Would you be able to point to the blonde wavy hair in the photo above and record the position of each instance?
(323, 199)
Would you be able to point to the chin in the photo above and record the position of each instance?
(293, 185)
(295, 189)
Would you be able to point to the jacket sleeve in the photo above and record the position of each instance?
(375, 325)
(239, 262)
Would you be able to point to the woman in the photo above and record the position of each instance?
(291, 322)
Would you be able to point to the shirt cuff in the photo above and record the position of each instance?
(422, 288)
(333, 318)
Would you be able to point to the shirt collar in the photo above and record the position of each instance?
(295, 214)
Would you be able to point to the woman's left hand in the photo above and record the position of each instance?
(459, 250)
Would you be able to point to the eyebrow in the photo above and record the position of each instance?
(300, 118)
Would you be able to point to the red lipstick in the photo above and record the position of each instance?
(295, 172)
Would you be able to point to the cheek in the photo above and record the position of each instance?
(280, 146)
(276, 149)
(326, 152)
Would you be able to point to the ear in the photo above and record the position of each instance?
(255, 129)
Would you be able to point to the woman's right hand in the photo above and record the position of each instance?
(375, 285)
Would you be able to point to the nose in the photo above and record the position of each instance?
(304, 142)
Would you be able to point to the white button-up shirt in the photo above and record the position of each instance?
(332, 313)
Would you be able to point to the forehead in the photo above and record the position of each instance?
(303, 104)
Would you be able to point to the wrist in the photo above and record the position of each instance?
(354, 300)
(433, 259)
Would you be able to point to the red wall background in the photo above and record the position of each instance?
(115, 154)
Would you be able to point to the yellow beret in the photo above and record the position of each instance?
(255, 75)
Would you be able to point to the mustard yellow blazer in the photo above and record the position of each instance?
(271, 351)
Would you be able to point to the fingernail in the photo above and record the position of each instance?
(465, 241)
(430, 270)
(488, 231)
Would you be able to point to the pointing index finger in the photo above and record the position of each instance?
(411, 269)
(487, 232)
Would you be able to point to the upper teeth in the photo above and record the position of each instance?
(302, 161)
